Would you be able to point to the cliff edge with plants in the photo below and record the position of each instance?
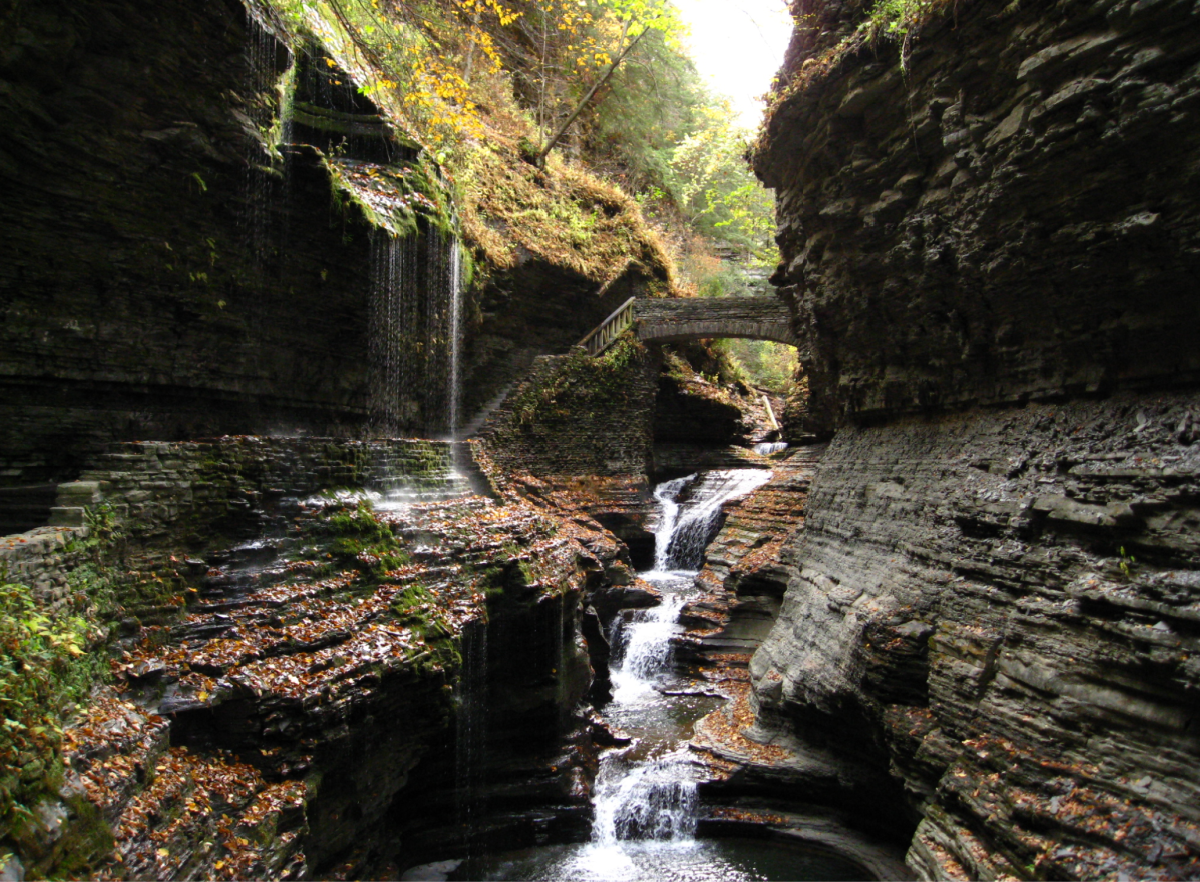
(288, 165)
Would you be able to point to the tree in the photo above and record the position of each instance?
(636, 18)
(714, 186)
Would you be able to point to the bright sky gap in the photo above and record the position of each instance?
(738, 46)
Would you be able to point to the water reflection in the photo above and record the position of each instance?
(714, 860)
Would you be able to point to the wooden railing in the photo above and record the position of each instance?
(610, 329)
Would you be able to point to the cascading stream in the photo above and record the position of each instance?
(688, 527)
(647, 793)
(645, 797)
(770, 448)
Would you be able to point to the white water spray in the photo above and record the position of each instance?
(654, 797)
(767, 448)
(455, 335)
(684, 530)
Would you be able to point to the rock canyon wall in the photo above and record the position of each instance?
(184, 250)
(988, 233)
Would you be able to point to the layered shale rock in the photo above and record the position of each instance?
(1007, 213)
(743, 578)
(341, 676)
(247, 305)
(330, 663)
(1000, 612)
(996, 608)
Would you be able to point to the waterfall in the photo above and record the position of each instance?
(455, 335)
(766, 448)
(651, 796)
(647, 801)
(665, 495)
(642, 647)
(414, 332)
(260, 63)
(270, 113)
(684, 530)
(392, 313)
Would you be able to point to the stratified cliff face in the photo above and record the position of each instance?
(178, 261)
(997, 607)
(1011, 217)
(1002, 608)
(151, 283)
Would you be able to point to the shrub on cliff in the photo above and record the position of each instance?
(44, 671)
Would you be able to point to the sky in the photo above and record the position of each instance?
(738, 45)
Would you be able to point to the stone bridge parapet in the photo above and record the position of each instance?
(672, 320)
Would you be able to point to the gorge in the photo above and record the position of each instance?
(330, 554)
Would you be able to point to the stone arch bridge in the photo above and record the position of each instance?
(669, 320)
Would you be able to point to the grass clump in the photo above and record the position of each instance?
(895, 19)
(562, 215)
(362, 541)
(582, 386)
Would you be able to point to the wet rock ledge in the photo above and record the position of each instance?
(333, 680)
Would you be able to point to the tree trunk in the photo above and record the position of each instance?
(540, 161)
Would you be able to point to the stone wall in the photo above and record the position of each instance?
(151, 484)
(161, 491)
(1012, 216)
(575, 415)
(759, 318)
(43, 559)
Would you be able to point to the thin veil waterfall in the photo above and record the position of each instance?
(393, 311)
(270, 110)
(455, 336)
(415, 333)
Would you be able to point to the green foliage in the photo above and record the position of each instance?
(407, 600)
(393, 197)
(492, 582)
(416, 608)
(1126, 564)
(655, 100)
(897, 20)
(44, 671)
(104, 527)
(581, 385)
(88, 840)
(727, 280)
(102, 590)
(763, 363)
(713, 185)
(362, 540)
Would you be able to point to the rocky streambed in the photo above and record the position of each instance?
(354, 682)
(334, 653)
